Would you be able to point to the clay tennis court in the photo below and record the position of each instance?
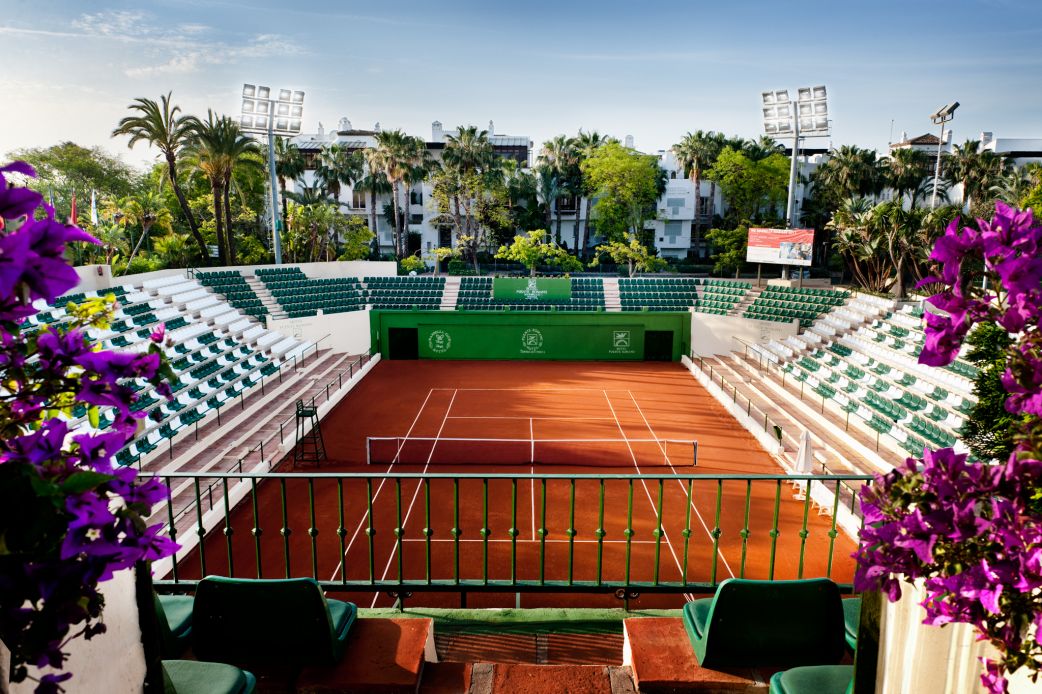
(611, 421)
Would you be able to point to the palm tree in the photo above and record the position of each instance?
(1013, 186)
(762, 148)
(585, 144)
(851, 172)
(161, 126)
(338, 166)
(906, 169)
(147, 211)
(289, 164)
(216, 148)
(695, 153)
(975, 169)
(468, 150)
(548, 184)
(559, 155)
(374, 183)
(173, 249)
(856, 241)
(400, 158)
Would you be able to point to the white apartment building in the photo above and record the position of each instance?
(421, 207)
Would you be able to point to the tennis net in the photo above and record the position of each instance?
(409, 450)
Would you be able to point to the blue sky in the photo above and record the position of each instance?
(650, 69)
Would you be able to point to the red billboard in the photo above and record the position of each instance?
(780, 246)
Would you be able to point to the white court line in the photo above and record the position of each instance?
(644, 484)
(537, 390)
(365, 515)
(415, 495)
(520, 541)
(531, 431)
(681, 484)
(559, 419)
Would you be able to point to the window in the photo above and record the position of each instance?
(358, 199)
(415, 197)
(416, 219)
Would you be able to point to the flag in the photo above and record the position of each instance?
(93, 209)
(72, 211)
(50, 197)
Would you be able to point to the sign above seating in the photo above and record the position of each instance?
(780, 246)
(535, 289)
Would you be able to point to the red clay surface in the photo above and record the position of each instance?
(533, 401)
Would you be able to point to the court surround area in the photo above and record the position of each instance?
(533, 484)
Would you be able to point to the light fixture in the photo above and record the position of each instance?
(940, 117)
(262, 114)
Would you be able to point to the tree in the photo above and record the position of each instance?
(558, 155)
(975, 169)
(338, 166)
(532, 250)
(147, 211)
(752, 187)
(626, 185)
(851, 172)
(860, 246)
(633, 255)
(728, 248)
(400, 158)
(988, 430)
(374, 183)
(695, 153)
(353, 237)
(584, 145)
(217, 147)
(162, 126)
(289, 164)
(906, 169)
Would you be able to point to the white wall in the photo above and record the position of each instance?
(347, 332)
(712, 334)
(113, 662)
(914, 657)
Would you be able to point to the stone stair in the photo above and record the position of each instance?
(450, 295)
(261, 290)
(612, 302)
(750, 296)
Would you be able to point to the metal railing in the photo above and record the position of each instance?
(583, 533)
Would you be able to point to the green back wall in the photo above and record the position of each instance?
(531, 335)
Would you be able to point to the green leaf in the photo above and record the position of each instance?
(94, 416)
(82, 481)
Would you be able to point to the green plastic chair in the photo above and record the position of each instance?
(195, 677)
(238, 620)
(751, 623)
(174, 615)
(814, 679)
(851, 620)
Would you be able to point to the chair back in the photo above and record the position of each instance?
(239, 620)
(775, 623)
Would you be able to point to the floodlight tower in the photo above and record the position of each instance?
(940, 117)
(807, 116)
(263, 114)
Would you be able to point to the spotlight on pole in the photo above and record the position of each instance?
(940, 117)
(264, 115)
(783, 118)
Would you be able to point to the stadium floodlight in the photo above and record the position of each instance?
(940, 117)
(262, 114)
(807, 116)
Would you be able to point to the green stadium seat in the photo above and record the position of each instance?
(195, 677)
(750, 623)
(814, 679)
(174, 615)
(256, 620)
(852, 617)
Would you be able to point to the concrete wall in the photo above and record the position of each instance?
(111, 662)
(712, 334)
(347, 332)
(914, 657)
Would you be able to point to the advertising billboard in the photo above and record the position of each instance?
(531, 341)
(780, 246)
(535, 289)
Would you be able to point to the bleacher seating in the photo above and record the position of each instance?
(680, 294)
(301, 296)
(215, 352)
(405, 293)
(784, 304)
(475, 294)
(873, 374)
(233, 286)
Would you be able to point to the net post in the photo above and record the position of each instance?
(694, 445)
(368, 450)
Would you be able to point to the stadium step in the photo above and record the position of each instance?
(450, 294)
(269, 302)
(750, 296)
(612, 300)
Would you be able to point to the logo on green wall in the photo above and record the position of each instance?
(620, 339)
(532, 341)
(439, 341)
